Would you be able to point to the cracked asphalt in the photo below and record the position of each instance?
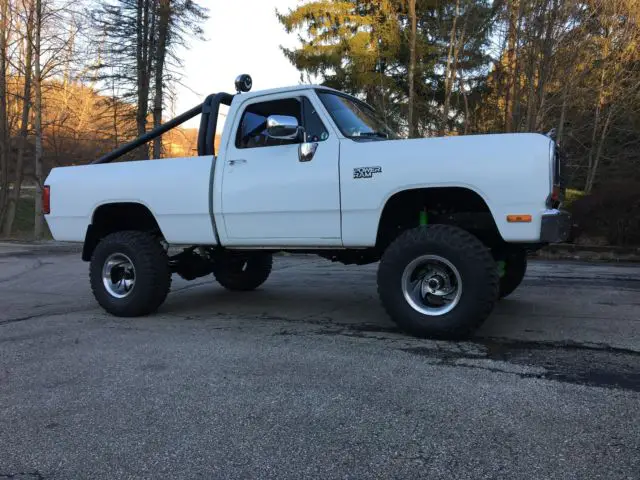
(307, 378)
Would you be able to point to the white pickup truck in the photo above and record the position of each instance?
(313, 170)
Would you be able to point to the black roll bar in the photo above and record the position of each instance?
(206, 135)
(209, 122)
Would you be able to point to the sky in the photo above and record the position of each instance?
(242, 36)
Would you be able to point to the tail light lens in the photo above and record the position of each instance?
(46, 200)
(556, 197)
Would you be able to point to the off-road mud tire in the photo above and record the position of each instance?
(242, 273)
(152, 273)
(471, 258)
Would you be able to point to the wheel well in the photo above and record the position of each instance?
(116, 217)
(445, 205)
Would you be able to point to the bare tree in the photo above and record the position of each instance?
(27, 68)
(38, 226)
(164, 13)
(456, 42)
(4, 123)
(412, 120)
(618, 74)
(512, 59)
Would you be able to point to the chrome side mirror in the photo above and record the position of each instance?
(282, 127)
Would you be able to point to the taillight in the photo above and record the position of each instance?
(556, 197)
(46, 200)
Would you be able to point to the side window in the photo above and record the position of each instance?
(316, 131)
(252, 131)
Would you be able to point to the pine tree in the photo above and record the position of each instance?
(139, 41)
(350, 45)
(418, 61)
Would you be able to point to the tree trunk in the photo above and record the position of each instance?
(531, 80)
(114, 118)
(546, 59)
(139, 65)
(7, 226)
(38, 226)
(467, 113)
(603, 136)
(534, 61)
(142, 56)
(412, 69)
(448, 74)
(151, 34)
(563, 112)
(514, 7)
(161, 52)
(594, 131)
(516, 97)
(4, 122)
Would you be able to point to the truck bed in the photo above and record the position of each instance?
(176, 191)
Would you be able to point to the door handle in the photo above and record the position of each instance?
(240, 161)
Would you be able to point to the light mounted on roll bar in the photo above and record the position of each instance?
(243, 83)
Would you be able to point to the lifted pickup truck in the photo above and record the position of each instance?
(313, 170)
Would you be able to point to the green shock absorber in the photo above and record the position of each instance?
(502, 266)
(424, 217)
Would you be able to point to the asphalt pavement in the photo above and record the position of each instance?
(308, 378)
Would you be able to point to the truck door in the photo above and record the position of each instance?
(272, 193)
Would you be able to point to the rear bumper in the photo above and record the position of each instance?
(555, 227)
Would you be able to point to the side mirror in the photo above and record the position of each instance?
(282, 127)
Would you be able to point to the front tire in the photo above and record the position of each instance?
(438, 282)
(243, 273)
(129, 274)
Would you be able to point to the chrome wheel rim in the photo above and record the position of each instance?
(432, 285)
(118, 275)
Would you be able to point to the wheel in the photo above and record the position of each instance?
(129, 274)
(438, 281)
(243, 272)
(512, 271)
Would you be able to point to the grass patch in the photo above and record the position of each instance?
(24, 221)
(571, 195)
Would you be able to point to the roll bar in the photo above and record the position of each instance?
(206, 134)
(209, 121)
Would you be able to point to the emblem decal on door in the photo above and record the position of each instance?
(366, 172)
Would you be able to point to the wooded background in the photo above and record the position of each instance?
(78, 79)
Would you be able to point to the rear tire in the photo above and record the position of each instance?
(243, 273)
(515, 269)
(452, 258)
(129, 274)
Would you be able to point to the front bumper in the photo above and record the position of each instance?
(555, 227)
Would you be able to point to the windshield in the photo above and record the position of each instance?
(355, 119)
